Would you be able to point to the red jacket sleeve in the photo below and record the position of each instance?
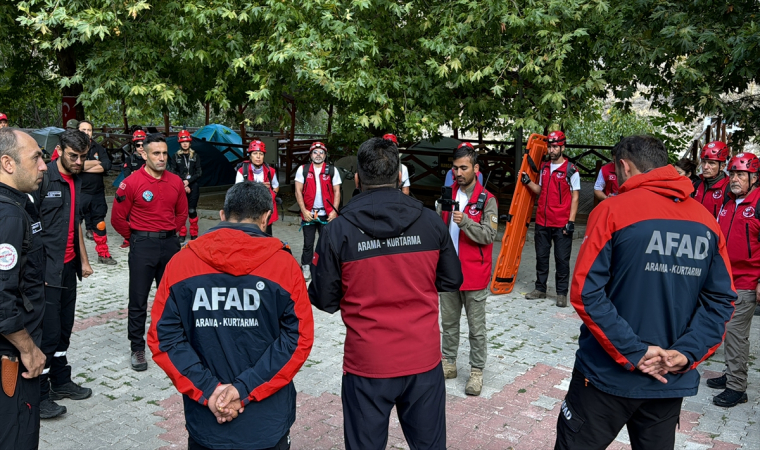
(122, 205)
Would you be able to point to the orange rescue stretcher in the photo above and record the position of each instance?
(518, 219)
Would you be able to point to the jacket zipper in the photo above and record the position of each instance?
(730, 225)
(749, 247)
(482, 260)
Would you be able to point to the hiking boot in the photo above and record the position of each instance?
(125, 244)
(717, 383)
(562, 301)
(70, 390)
(475, 382)
(50, 409)
(536, 294)
(88, 235)
(192, 238)
(107, 260)
(138, 361)
(306, 272)
(730, 398)
(449, 369)
(182, 239)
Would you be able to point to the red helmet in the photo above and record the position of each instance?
(139, 135)
(184, 136)
(391, 137)
(556, 137)
(746, 162)
(3, 117)
(257, 146)
(317, 145)
(715, 150)
(465, 144)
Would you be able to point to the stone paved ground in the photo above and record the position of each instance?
(531, 353)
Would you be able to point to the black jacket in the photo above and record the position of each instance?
(92, 183)
(382, 261)
(133, 163)
(188, 168)
(53, 200)
(17, 222)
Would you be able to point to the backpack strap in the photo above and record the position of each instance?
(26, 245)
(571, 170)
(246, 168)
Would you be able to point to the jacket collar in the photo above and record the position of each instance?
(13, 194)
(250, 229)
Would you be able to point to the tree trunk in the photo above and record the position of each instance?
(67, 67)
(124, 115)
(166, 122)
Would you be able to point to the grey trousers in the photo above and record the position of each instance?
(474, 303)
(736, 345)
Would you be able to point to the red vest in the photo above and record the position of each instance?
(310, 189)
(741, 228)
(610, 179)
(712, 198)
(476, 259)
(555, 199)
(269, 173)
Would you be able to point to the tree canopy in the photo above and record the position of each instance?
(407, 67)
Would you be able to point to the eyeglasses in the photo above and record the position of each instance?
(140, 145)
(74, 157)
(318, 152)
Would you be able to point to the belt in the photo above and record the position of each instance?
(154, 234)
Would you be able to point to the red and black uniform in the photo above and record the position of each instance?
(740, 226)
(156, 208)
(653, 269)
(93, 198)
(22, 306)
(711, 197)
(552, 214)
(610, 179)
(246, 170)
(188, 167)
(325, 180)
(234, 314)
(58, 201)
(382, 262)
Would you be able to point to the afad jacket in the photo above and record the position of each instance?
(382, 262)
(711, 198)
(556, 198)
(653, 269)
(741, 227)
(234, 314)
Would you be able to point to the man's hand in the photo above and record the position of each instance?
(332, 215)
(187, 189)
(525, 178)
(653, 363)
(34, 362)
(212, 402)
(676, 361)
(86, 269)
(757, 293)
(569, 229)
(457, 216)
(186, 183)
(307, 217)
(228, 402)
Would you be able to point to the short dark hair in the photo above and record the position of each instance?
(154, 137)
(377, 162)
(687, 165)
(75, 140)
(466, 152)
(85, 121)
(645, 152)
(9, 143)
(247, 200)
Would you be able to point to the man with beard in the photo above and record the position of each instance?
(58, 199)
(149, 208)
(712, 184)
(472, 227)
(259, 171)
(22, 295)
(94, 206)
(317, 196)
(739, 222)
(557, 190)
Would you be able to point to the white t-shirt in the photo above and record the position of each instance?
(318, 202)
(257, 178)
(453, 227)
(600, 184)
(405, 176)
(575, 180)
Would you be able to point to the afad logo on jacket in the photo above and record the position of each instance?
(474, 211)
(749, 212)
(717, 194)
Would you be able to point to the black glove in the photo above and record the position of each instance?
(569, 228)
(525, 179)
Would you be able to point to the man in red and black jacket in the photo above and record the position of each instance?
(231, 326)
(258, 171)
(558, 189)
(382, 262)
(472, 226)
(711, 187)
(149, 208)
(738, 219)
(606, 184)
(652, 285)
